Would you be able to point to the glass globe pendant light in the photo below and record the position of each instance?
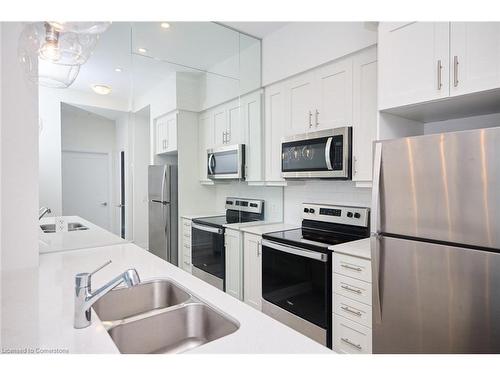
(80, 27)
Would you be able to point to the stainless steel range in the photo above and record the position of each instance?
(297, 267)
(208, 250)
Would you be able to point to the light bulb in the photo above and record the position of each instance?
(50, 51)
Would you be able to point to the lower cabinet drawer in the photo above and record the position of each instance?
(353, 288)
(354, 267)
(186, 248)
(186, 263)
(350, 337)
(356, 311)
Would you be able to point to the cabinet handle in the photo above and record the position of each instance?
(317, 118)
(455, 71)
(228, 136)
(351, 267)
(259, 249)
(310, 119)
(357, 291)
(349, 342)
(355, 171)
(439, 70)
(347, 309)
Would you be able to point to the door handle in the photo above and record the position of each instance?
(455, 71)
(104, 204)
(439, 69)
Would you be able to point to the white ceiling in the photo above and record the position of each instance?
(190, 44)
(257, 29)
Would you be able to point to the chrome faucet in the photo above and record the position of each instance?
(85, 298)
(43, 211)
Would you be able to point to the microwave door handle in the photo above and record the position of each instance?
(210, 164)
(328, 149)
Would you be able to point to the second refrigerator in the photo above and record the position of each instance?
(163, 218)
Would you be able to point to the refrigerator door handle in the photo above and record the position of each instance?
(375, 210)
(377, 301)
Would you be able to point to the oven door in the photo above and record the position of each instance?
(208, 254)
(298, 281)
(323, 154)
(226, 162)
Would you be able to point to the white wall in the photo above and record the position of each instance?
(300, 46)
(50, 137)
(467, 123)
(18, 156)
(85, 131)
(140, 156)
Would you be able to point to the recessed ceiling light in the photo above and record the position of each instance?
(142, 50)
(118, 70)
(101, 89)
(164, 25)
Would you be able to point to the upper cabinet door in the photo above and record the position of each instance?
(300, 104)
(334, 100)
(220, 128)
(274, 130)
(413, 62)
(233, 130)
(475, 57)
(365, 113)
(171, 130)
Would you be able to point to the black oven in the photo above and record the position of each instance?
(322, 154)
(297, 288)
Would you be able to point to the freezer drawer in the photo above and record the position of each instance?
(432, 298)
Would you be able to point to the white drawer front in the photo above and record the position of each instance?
(358, 290)
(186, 263)
(350, 337)
(354, 267)
(353, 310)
(186, 249)
(186, 228)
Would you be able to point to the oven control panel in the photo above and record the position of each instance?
(358, 216)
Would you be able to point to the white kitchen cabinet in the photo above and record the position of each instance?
(413, 62)
(234, 263)
(300, 103)
(364, 119)
(333, 104)
(185, 261)
(234, 127)
(474, 57)
(352, 304)
(166, 133)
(205, 141)
(252, 124)
(252, 270)
(220, 125)
(274, 126)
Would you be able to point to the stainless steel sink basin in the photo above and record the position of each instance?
(173, 331)
(51, 228)
(159, 316)
(123, 303)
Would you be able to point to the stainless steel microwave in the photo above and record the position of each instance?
(226, 162)
(321, 154)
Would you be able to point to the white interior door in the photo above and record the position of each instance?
(86, 186)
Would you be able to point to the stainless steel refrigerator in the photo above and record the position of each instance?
(436, 243)
(163, 217)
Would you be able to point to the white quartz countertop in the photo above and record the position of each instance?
(359, 248)
(80, 239)
(196, 216)
(261, 229)
(38, 306)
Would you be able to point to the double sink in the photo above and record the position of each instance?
(159, 316)
(51, 228)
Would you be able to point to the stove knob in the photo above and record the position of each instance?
(349, 214)
(357, 215)
(306, 210)
(311, 210)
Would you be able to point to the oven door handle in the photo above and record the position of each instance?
(206, 228)
(328, 149)
(296, 251)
